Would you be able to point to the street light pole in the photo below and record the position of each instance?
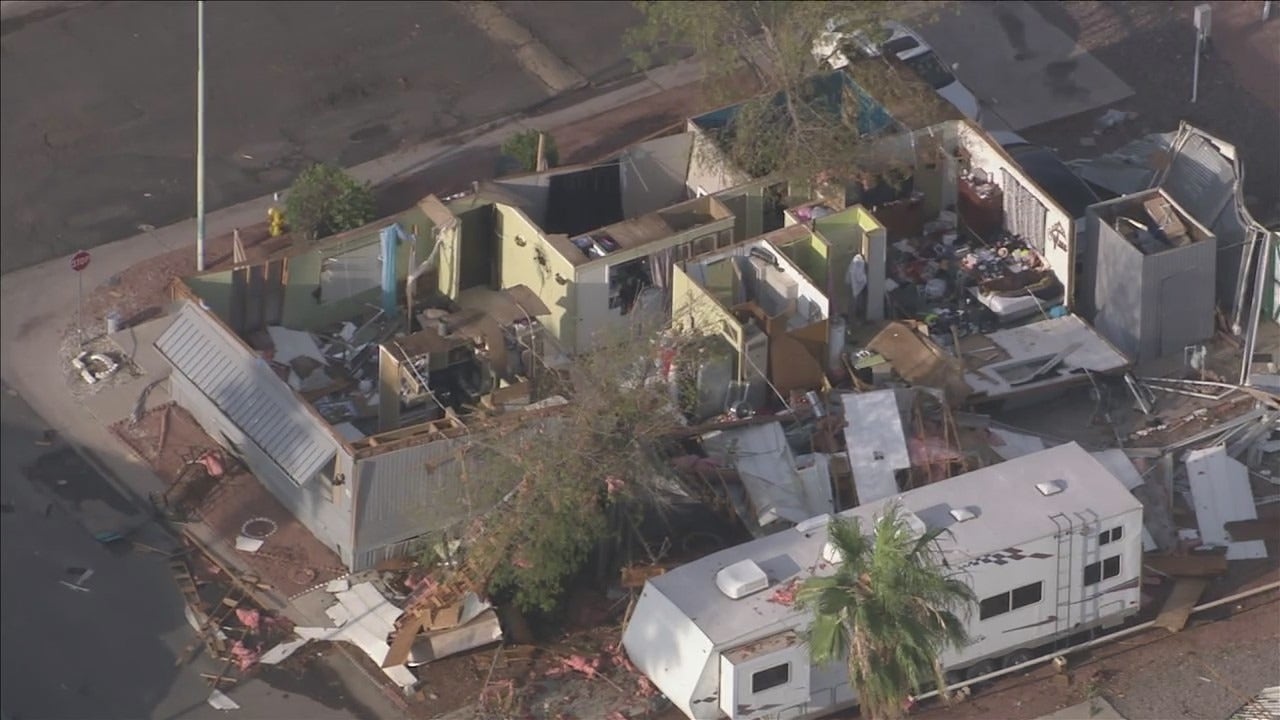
(200, 136)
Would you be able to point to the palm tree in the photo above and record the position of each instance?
(888, 610)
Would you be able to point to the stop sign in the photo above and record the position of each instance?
(80, 260)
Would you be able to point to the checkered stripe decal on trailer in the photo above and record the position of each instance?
(1006, 556)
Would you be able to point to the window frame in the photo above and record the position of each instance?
(772, 683)
(985, 614)
(1002, 603)
(1104, 569)
(1014, 603)
(1109, 536)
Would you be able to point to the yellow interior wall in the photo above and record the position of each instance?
(519, 266)
(695, 310)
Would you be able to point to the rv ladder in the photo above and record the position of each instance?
(1063, 557)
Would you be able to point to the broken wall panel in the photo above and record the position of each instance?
(876, 443)
(1221, 493)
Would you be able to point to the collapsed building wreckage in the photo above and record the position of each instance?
(867, 342)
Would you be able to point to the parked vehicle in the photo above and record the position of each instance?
(838, 41)
(1050, 543)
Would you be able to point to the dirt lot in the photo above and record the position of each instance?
(291, 560)
(1206, 671)
(1150, 45)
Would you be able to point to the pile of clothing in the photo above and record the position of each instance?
(1008, 255)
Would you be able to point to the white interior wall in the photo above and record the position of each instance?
(1059, 228)
(709, 170)
(654, 174)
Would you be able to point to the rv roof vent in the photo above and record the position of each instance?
(816, 522)
(830, 554)
(963, 514)
(914, 522)
(741, 579)
(1052, 487)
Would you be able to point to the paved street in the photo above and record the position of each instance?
(98, 119)
(108, 654)
(1024, 70)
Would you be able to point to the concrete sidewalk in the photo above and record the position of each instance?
(38, 304)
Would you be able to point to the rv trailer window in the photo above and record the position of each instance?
(1110, 536)
(770, 678)
(1026, 595)
(993, 606)
(1096, 572)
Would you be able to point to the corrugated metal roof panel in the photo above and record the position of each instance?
(247, 392)
(1200, 179)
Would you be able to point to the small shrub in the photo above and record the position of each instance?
(523, 149)
(325, 200)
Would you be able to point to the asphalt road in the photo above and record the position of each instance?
(109, 653)
(97, 121)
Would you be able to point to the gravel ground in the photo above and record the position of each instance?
(1206, 671)
(1150, 45)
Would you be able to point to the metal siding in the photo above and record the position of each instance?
(1191, 298)
(408, 492)
(1200, 179)
(1205, 183)
(252, 397)
(1119, 295)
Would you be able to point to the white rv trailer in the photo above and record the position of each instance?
(1051, 544)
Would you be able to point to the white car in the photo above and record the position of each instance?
(903, 43)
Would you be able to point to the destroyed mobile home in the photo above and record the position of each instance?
(353, 376)
(1050, 544)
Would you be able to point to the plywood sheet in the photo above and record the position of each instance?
(1177, 609)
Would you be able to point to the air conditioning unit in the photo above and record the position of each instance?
(741, 579)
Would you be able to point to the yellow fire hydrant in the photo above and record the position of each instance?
(275, 221)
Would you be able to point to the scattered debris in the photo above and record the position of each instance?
(1112, 118)
(94, 367)
(218, 700)
(786, 594)
(249, 617)
(1192, 565)
(258, 528)
(282, 651)
(372, 618)
(243, 656)
(1221, 492)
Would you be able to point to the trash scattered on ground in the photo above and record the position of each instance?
(95, 367)
(218, 700)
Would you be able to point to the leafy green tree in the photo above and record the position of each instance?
(522, 148)
(324, 200)
(799, 126)
(888, 610)
(583, 471)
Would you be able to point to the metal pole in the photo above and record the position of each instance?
(1195, 72)
(80, 307)
(200, 136)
